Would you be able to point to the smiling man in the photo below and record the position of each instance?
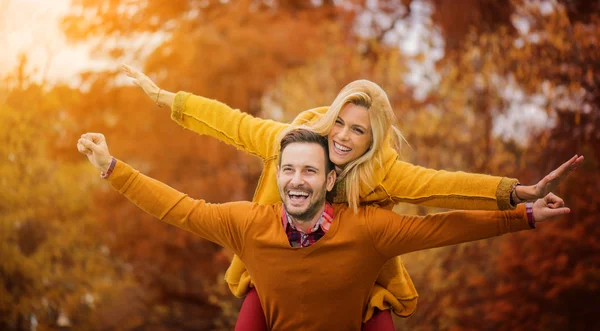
(305, 253)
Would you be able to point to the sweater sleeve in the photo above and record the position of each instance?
(241, 130)
(224, 224)
(406, 182)
(395, 234)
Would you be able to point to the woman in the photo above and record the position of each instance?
(359, 126)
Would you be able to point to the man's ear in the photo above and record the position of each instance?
(331, 177)
(277, 172)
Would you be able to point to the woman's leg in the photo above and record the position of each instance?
(381, 321)
(252, 317)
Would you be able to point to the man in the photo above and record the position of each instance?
(302, 282)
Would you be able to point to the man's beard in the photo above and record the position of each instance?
(313, 208)
(308, 214)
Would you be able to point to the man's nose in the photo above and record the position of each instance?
(297, 179)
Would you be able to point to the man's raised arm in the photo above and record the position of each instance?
(223, 224)
(395, 234)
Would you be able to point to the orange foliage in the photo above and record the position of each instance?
(63, 238)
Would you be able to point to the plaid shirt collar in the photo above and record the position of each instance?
(299, 238)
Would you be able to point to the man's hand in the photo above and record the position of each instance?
(548, 207)
(550, 182)
(93, 145)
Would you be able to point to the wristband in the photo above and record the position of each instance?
(530, 219)
(111, 167)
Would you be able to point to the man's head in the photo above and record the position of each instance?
(304, 173)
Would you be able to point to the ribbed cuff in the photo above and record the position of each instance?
(179, 106)
(503, 193)
(122, 176)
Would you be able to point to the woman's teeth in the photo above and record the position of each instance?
(341, 148)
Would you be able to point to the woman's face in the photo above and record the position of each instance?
(350, 136)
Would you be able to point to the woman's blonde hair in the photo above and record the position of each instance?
(369, 95)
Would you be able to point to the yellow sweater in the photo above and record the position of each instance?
(324, 286)
(397, 182)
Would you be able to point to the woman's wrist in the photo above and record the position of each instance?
(525, 193)
(164, 98)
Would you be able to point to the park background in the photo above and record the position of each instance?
(508, 88)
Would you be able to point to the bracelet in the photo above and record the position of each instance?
(158, 96)
(530, 219)
(111, 167)
(514, 197)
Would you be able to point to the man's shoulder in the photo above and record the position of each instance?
(253, 206)
(254, 210)
(365, 212)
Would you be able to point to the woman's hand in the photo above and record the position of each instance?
(549, 182)
(143, 81)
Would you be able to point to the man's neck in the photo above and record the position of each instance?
(307, 225)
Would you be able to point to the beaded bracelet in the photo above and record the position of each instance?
(530, 219)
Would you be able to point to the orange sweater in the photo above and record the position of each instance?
(307, 288)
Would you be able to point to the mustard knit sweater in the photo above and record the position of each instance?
(397, 182)
(324, 286)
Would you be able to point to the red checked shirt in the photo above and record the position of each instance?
(299, 238)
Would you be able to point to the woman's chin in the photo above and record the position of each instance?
(339, 161)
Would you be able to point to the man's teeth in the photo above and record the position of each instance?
(341, 148)
(298, 193)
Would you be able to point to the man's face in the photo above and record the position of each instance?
(303, 181)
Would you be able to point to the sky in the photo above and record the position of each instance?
(32, 27)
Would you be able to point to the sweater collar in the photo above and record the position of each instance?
(324, 221)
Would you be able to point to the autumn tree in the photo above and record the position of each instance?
(54, 271)
(276, 58)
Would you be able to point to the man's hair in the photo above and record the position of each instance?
(306, 136)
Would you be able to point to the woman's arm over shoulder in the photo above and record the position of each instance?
(310, 115)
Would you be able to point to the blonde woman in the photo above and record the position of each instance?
(363, 144)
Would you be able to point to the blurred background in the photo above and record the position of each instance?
(508, 88)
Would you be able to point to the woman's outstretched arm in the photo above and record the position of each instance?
(405, 182)
(213, 118)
